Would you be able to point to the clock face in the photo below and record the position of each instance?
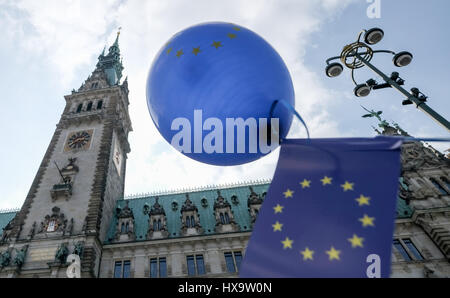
(78, 140)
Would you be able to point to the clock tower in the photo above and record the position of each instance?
(70, 203)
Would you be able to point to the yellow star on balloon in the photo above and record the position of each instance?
(287, 243)
(307, 254)
(333, 254)
(347, 186)
(179, 53)
(305, 183)
(278, 208)
(362, 200)
(216, 44)
(356, 241)
(326, 180)
(196, 51)
(277, 226)
(169, 50)
(236, 28)
(367, 221)
(231, 35)
(288, 193)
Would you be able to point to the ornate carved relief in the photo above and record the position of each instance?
(224, 215)
(54, 225)
(190, 219)
(157, 224)
(125, 224)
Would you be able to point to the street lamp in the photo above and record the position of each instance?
(359, 54)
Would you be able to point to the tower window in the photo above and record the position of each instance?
(89, 106)
(438, 186)
(99, 104)
(227, 218)
(122, 228)
(192, 221)
(80, 106)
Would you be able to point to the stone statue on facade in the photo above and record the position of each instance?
(62, 253)
(19, 259)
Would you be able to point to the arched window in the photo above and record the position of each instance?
(80, 106)
(188, 222)
(126, 228)
(89, 106)
(227, 218)
(438, 186)
(99, 104)
(192, 221)
(222, 219)
(159, 225)
(122, 228)
(155, 227)
(256, 211)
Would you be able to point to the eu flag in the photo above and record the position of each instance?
(329, 211)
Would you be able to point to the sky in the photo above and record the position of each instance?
(48, 48)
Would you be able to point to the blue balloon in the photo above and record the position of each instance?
(219, 71)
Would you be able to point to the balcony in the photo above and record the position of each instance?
(61, 190)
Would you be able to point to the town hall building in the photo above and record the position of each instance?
(76, 204)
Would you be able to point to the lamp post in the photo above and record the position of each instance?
(358, 54)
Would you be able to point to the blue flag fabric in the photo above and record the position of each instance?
(329, 211)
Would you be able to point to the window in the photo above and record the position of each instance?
(158, 267)
(195, 266)
(401, 250)
(94, 85)
(227, 218)
(89, 106)
(192, 221)
(438, 186)
(229, 262)
(162, 267)
(80, 106)
(126, 269)
(233, 261)
(222, 219)
(122, 269)
(408, 250)
(127, 228)
(99, 104)
(190, 265)
(188, 222)
(412, 249)
(200, 264)
(445, 180)
(238, 259)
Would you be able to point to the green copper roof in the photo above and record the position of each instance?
(5, 218)
(207, 218)
(111, 63)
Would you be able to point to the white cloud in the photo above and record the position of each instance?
(69, 35)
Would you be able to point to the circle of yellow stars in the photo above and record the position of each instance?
(333, 254)
(217, 44)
